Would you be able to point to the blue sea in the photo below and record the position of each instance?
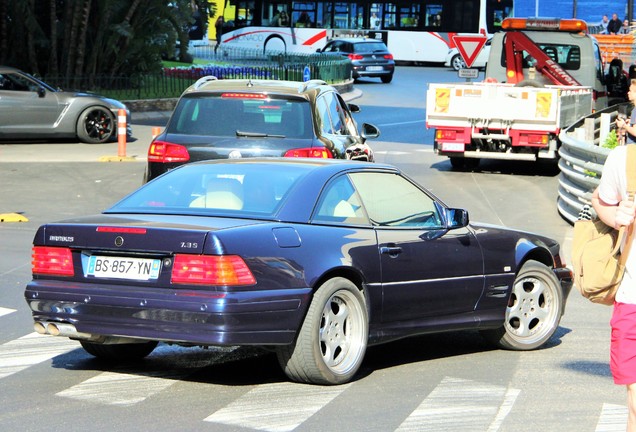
(588, 10)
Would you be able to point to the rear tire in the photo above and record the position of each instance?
(119, 352)
(332, 341)
(463, 164)
(386, 78)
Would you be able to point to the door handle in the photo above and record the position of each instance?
(391, 251)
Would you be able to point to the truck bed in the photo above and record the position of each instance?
(502, 106)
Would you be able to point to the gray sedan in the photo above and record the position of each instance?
(30, 108)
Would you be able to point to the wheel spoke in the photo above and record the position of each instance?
(531, 308)
(334, 331)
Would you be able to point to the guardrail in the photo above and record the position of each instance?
(581, 162)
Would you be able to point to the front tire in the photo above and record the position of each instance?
(534, 310)
(119, 352)
(96, 125)
(332, 341)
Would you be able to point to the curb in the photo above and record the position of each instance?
(12, 217)
(117, 159)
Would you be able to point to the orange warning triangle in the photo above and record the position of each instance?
(469, 47)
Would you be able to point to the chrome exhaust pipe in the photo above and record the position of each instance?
(39, 327)
(66, 330)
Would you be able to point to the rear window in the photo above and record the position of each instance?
(369, 47)
(238, 190)
(231, 114)
(567, 56)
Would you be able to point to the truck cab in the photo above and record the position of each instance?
(563, 41)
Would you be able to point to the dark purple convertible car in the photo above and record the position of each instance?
(315, 259)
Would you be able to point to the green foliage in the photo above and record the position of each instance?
(85, 38)
(612, 140)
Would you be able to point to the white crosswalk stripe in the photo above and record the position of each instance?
(278, 407)
(461, 405)
(30, 350)
(128, 387)
(6, 311)
(115, 388)
(613, 418)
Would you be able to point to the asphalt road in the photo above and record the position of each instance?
(445, 382)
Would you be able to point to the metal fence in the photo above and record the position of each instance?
(223, 63)
(581, 165)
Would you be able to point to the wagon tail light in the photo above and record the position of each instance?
(165, 152)
(309, 152)
(56, 261)
(388, 56)
(355, 56)
(228, 270)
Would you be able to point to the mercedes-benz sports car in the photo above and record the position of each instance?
(313, 258)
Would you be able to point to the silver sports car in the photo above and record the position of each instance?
(30, 108)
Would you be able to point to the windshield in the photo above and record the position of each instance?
(233, 114)
(233, 189)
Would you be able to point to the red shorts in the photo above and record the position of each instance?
(623, 346)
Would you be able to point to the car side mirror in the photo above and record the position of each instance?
(354, 108)
(456, 218)
(319, 50)
(41, 92)
(369, 131)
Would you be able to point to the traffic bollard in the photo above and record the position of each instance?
(155, 132)
(121, 133)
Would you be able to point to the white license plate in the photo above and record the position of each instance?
(453, 147)
(374, 68)
(123, 268)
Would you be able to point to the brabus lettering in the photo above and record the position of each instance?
(62, 239)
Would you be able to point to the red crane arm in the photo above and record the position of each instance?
(515, 43)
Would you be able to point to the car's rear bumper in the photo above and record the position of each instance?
(361, 71)
(264, 317)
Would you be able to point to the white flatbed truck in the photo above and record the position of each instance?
(554, 77)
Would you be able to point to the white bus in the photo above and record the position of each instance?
(419, 31)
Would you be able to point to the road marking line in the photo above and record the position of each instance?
(30, 350)
(459, 404)
(116, 388)
(612, 418)
(6, 311)
(130, 386)
(279, 407)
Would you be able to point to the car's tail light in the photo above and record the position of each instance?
(538, 139)
(56, 261)
(244, 96)
(388, 56)
(121, 230)
(309, 152)
(164, 152)
(211, 270)
(445, 134)
(356, 56)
